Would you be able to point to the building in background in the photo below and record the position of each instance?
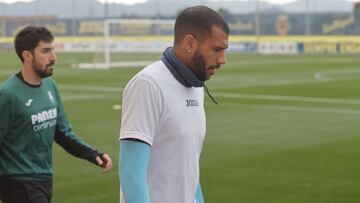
(86, 17)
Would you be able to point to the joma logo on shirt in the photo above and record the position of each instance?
(191, 102)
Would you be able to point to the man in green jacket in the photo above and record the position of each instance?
(31, 118)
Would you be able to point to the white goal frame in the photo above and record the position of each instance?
(107, 49)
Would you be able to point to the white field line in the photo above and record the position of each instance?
(336, 75)
(296, 108)
(7, 72)
(292, 61)
(287, 98)
(321, 77)
(91, 88)
(72, 97)
(120, 89)
(93, 96)
(225, 95)
(104, 66)
(270, 83)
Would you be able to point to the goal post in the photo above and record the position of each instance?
(136, 36)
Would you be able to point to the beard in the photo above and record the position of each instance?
(42, 71)
(199, 68)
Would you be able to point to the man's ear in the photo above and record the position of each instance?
(27, 55)
(190, 44)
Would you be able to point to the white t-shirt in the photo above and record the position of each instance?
(171, 118)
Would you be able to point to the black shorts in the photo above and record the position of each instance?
(19, 191)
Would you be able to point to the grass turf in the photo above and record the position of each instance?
(286, 129)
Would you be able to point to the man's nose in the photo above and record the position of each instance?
(222, 58)
(53, 56)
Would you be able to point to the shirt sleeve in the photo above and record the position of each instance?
(6, 115)
(134, 158)
(141, 110)
(198, 194)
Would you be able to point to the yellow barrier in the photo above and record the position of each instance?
(334, 39)
(232, 38)
(6, 40)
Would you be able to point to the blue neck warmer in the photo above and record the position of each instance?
(182, 73)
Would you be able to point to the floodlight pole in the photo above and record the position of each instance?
(257, 20)
(157, 7)
(2, 9)
(37, 13)
(73, 19)
(106, 9)
(307, 18)
(106, 42)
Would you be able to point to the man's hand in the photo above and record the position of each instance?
(105, 162)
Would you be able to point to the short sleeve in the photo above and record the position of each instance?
(141, 109)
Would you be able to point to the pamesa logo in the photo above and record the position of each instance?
(44, 119)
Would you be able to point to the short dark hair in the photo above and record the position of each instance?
(29, 37)
(198, 21)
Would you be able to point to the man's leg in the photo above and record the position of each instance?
(15, 191)
(39, 191)
(12, 191)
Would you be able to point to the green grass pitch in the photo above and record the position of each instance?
(286, 129)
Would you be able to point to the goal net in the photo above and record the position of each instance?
(131, 42)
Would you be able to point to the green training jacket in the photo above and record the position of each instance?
(31, 118)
